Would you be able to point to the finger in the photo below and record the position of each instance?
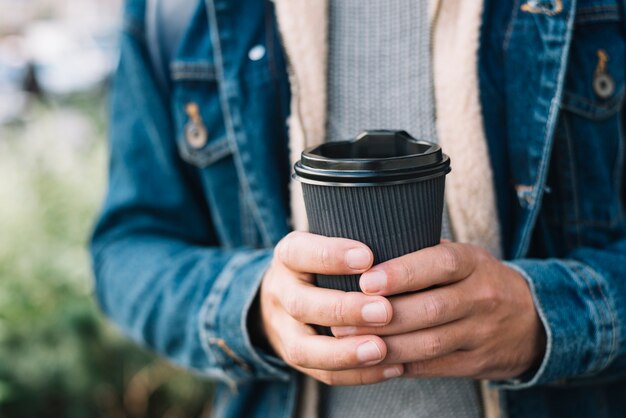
(456, 364)
(441, 264)
(418, 311)
(309, 253)
(364, 376)
(313, 305)
(302, 348)
(426, 344)
(328, 353)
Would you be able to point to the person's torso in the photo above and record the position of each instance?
(558, 75)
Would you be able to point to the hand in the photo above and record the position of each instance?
(472, 316)
(289, 301)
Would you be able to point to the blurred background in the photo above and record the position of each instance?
(58, 355)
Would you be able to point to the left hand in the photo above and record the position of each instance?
(471, 315)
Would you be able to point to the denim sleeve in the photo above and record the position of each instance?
(160, 272)
(582, 303)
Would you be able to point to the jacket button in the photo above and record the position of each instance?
(603, 86)
(196, 135)
(195, 132)
(256, 52)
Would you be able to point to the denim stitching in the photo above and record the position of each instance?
(610, 223)
(228, 119)
(263, 364)
(243, 218)
(609, 106)
(216, 294)
(194, 71)
(247, 224)
(607, 330)
(209, 312)
(593, 109)
(619, 171)
(597, 9)
(598, 18)
(548, 133)
(205, 324)
(574, 176)
(613, 330)
(600, 7)
(192, 75)
(509, 30)
(593, 307)
(206, 156)
(195, 65)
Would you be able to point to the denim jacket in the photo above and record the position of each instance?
(198, 195)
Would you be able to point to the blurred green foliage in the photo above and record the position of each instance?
(58, 356)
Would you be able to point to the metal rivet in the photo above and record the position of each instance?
(196, 135)
(545, 7)
(195, 131)
(256, 53)
(603, 86)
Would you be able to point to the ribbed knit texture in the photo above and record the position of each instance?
(404, 398)
(379, 73)
(380, 77)
(411, 221)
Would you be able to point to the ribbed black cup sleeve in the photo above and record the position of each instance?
(392, 220)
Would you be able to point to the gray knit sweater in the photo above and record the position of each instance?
(380, 77)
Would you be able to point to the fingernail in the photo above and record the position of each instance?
(343, 331)
(373, 281)
(368, 352)
(375, 313)
(391, 372)
(358, 258)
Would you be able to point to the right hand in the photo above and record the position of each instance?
(290, 302)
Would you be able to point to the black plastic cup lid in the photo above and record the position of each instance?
(374, 157)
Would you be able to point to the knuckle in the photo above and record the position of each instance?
(433, 309)
(489, 297)
(294, 354)
(339, 312)
(341, 360)
(325, 259)
(415, 368)
(450, 259)
(406, 271)
(361, 379)
(294, 307)
(432, 346)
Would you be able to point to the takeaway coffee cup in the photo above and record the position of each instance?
(383, 188)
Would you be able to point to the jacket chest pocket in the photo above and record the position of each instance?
(203, 143)
(585, 175)
(200, 130)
